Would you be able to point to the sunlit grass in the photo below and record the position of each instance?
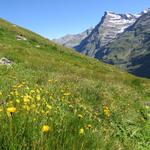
(39, 117)
(54, 98)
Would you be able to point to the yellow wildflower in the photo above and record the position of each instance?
(45, 128)
(106, 111)
(18, 101)
(26, 99)
(49, 106)
(38, 97)
(67, 94)
(11, 110)
(81, 131)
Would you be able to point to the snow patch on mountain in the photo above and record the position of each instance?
(109, 28)
(114, 24)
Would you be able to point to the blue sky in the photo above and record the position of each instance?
(55, 18)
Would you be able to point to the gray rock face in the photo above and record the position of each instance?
(72, 40)
(20, 37)
(110, 26)
(131, 50)
(5, 61)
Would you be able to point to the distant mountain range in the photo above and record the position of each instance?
(120, 39)
(72, 40)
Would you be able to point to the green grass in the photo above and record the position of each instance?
(67, 92)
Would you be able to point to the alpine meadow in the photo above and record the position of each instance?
(55, 97)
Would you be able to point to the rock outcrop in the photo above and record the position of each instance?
(5, 61)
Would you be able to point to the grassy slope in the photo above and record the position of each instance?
(78, 86)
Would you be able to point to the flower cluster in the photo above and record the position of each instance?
(42, 107)
(106, 111)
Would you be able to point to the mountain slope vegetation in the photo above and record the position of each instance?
(54, 98)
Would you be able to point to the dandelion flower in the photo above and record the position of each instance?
(45, 128)
(11, 110)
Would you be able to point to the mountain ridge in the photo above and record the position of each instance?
(125, 15)
(72, 40)
(111, 27)
(136, 47)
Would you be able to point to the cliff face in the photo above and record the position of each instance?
(131, 50)
(105, 32)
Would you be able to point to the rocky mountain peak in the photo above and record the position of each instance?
(109, 13)
(146, 10)
(131, 49)
(110, 26)
(112, 14)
